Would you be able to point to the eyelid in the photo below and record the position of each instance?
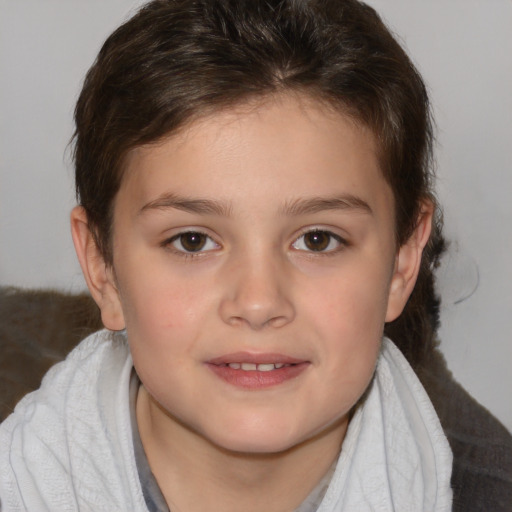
(168, 243)
(341, 241)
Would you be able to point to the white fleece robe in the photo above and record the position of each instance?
(68, 446)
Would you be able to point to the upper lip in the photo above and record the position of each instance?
(256, 358)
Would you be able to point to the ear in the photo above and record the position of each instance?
(408, 263)
(98, 274)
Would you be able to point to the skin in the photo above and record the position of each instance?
(254, 180)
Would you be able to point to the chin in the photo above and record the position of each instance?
(257, 446)
(260, 439)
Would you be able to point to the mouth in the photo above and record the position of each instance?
(257, 371)
(253, 367)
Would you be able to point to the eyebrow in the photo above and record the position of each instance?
(320, 204)
(290, 208)
(199, 206)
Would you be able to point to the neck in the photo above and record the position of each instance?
(194, 474)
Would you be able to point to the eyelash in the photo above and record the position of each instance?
(208, 241)
(327, 251)
(179, 239)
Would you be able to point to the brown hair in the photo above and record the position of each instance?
(176, 60)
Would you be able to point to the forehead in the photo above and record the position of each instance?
(283, 147)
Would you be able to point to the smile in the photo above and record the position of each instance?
(254, 371)
(252, 367)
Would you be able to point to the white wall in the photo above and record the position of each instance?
(462, 47)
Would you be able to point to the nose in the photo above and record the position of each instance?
(257, 293)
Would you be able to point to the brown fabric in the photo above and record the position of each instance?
(39, 328)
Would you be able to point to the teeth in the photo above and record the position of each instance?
(265, 367)
(251, 367)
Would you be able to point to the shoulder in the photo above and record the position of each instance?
(481, 445)
(66, 438)
(77, 374)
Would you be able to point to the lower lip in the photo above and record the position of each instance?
(256, 379)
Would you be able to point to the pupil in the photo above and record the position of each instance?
(317, 241)
(193, 242)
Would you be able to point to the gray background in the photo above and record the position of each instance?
(462, 47)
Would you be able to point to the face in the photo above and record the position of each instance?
(254, 263)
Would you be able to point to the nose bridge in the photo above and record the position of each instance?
(257, 289)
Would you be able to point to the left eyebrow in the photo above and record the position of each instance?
(199, 206)
(320, 204)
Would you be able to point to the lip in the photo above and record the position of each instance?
(256, 379)
(255, 358)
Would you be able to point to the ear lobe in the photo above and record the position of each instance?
(98, 274)
(408, 263)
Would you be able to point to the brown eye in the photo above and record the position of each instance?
(318, 241)
(192, 241)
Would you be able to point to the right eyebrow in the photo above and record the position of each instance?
(192, 205)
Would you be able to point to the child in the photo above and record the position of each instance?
(255, 212)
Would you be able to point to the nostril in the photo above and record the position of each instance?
(254, 297)
(256, 318)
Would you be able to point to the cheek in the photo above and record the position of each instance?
(163, 322)
(163, 325)
(353, 300)
(159, 298)
(349, 313)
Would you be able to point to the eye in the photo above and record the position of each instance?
(192, 241)
(318, 241)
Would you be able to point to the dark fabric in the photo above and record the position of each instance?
(39, 328)
(481, 445)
